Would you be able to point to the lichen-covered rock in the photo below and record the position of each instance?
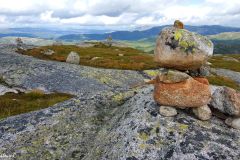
(95, 128)
(190, 93)
(233, 122)
(181, 49)
(226, 100)
(167, 111)
(203, 113)
(4, 90)
(172, 76)
(203, 71)
(73, 58)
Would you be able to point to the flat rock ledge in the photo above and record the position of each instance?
(100, 128)
(106, 120)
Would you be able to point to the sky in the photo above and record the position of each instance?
(117, 13)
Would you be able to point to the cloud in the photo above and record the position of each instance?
(118, 13)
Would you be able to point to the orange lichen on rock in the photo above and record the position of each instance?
(202, 80)
(186, 94)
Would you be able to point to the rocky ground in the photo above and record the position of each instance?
(107, 119)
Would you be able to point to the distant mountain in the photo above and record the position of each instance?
(137, 35)
(47, 33)
(16, 35)
(224, 43)
(226, 36)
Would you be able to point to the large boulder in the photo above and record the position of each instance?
(73, 58)
(186, 94)
(181, 49)
(226, 100)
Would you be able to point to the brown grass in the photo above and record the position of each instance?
(14, 104)
(109, 56)
(219, 62)
(223, 81)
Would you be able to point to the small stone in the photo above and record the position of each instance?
(73, 58)
(178, 24)
(233, 122)
(120, 55)
(49, 52)
(203, 71)
(172, 76)
(94, 58)
(203, 113)
(168, 111)
(226, 100)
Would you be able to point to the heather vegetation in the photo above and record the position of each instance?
(230, 61)
(223, 81)
(14, 104)
(99, 55)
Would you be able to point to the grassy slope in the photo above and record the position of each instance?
(146, 45)
(14, 104)
(132, 59)
(220, 62)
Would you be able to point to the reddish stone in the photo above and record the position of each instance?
(202, 80)
(187, 94)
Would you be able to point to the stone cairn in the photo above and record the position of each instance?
(182, 84)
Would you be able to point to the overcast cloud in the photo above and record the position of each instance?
(131, 13)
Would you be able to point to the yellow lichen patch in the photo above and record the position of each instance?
(178, 35)
(182, 128)
(143, 136)
(142, 146)
(105, 80)
(151, 73)
(118, 97)
(121, 96)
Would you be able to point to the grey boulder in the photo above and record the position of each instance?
(226, 100)
(181, 49)
(73, 58)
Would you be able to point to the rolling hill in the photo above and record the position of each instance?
(137, 35)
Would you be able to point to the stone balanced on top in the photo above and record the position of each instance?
(180, 52)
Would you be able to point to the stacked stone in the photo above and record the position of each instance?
(184, 54)
(227, 101)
